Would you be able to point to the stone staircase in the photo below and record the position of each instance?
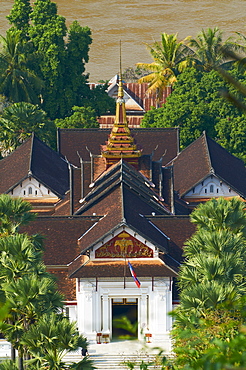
(112, 356)
(116, 362)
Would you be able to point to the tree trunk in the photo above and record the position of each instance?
(13, 354)
(20, 362)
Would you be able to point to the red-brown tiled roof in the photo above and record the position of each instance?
(66, 286)
(116, 268)
(157, 141)
(205, 157)
(15, 166)
(177, 228)
(35, 158)
(61, 236)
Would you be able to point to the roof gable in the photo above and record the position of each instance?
(34, 158)
(205, 157)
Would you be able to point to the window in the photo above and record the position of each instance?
(205, 190)
(217, 191)
(29, 190)
(211, 188)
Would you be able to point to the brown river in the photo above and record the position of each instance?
(137, 22)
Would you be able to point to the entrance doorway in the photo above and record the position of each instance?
(124, 318)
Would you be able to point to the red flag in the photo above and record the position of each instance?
(133, 273)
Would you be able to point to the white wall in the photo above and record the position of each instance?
(31, 188)
(211, 187)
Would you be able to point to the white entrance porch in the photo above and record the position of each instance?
(95, 299)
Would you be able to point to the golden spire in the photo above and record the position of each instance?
(121, 143)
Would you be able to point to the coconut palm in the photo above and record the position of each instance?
(17, 81)
(210, 49)
(170, 58)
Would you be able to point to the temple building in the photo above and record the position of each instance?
(113, 206)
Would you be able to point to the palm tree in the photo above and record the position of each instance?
(170, 58)
(19, 121)
(29, 298)
(210, 49)
(50, 339)
(14, 212)
(220, 214)
(214, 269)
(17, 81)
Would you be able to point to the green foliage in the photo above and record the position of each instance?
(18, 82)
(216, 341)
(56, 54)
(83, 117)
(100, 101)
(20, 14)
(13, 213)
(8, 365)
(50, 339)
(32, 325)
(131, 74)
(220, 214)
(19, 120)
(170, 57)
(209, 49)
(212, 283)
(124, 323)
(196, 105)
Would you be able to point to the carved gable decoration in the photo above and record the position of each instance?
(124, 246)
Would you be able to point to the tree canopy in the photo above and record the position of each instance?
(212, 281)
(196, 104)
(43, 61)
(33, 324)
(170, 57)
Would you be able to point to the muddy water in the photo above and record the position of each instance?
(136, 22)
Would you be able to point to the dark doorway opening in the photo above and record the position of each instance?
(124, 319)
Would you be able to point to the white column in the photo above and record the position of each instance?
(105, 308)
(88, 309)
(143, 314)
(96, 312)
(169, 308)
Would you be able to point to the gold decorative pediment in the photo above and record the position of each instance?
(124, 246)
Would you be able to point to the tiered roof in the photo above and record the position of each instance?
(120, 144)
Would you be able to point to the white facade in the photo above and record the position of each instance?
(211, 187)
(31, 188)
(154, 302)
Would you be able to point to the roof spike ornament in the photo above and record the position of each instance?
(120, 144)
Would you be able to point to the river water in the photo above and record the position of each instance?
(136, 22)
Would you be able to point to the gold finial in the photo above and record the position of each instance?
(120, 89)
